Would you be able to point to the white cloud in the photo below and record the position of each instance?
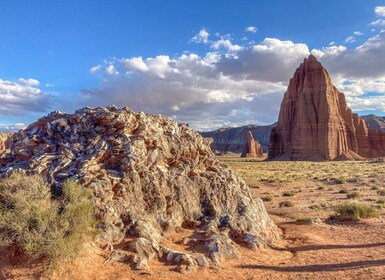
(251, 29)
(380, 11)
(350, 39)
(379, 22)
(358, 33)
(226, 87)
(12, 127)
(227, 44)
(201, 37)
(135, 64)
(332, 43)
(17, 98)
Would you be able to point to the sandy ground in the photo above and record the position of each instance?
(321, 249)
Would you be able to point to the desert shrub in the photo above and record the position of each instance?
(381, 192)
(286, 203)
(343, 191)
(374, 188)
(40, 226)
(267, 198)
(288, 193)
(304, 220)
(353, 195)
(355, 211)
(321, 188)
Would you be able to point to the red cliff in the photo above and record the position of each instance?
(315, 122)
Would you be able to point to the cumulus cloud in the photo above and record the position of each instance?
(251, 29)
(358, 33)
(227, 44)
(22, 96)
(201, 37)
(228, 86)
(380, 11)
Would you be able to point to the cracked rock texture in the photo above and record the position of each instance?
(149, 176)
(315, 122)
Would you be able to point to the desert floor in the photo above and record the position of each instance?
(312, 245)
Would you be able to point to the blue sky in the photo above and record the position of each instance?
(208, 63)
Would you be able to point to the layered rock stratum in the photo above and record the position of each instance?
(252, 148)
(315, 122)
(149, 176)
(232, 139)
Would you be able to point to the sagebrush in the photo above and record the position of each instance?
(42, 226)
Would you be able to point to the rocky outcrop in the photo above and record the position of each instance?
(232, 139)
(315, 122)
(149, 176)
(252, 148)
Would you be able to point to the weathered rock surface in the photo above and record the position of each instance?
(149, 176)
(252, 148)
(315, 122)
(232, 139)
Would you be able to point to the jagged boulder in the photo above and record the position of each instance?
(315, 122)
(252, 148)
(149, 176)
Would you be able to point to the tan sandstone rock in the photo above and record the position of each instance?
(315, 122)
(252, 148)
(149, 175)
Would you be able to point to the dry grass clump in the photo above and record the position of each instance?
(353, 195)
(288, 193)
(355, 211)
(267, 198)
(40, 226)
(286, 203)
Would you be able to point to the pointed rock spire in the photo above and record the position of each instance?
(315, 122)
(252, 147)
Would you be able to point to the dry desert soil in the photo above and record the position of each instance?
(300, 197)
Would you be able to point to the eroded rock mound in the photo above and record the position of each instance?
(149, 176)
(252, 148)
(315, 122)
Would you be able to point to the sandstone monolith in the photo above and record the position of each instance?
(315, 122)
(252, 148)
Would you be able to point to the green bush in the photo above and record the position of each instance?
(40, 226)
(355, 211)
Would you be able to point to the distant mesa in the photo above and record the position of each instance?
(232, 139)
(315, 122)
(375, 121)
(252, 148)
